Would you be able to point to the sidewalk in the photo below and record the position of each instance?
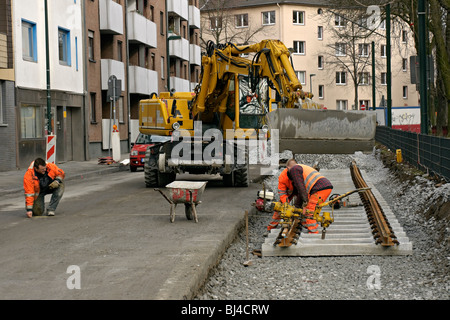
(12, 181)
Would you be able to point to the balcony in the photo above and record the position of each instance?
(178, 7)
(141, 30)
(194, 17)
(195, 56)
(142, 80)
(112, 67)
(3, 52)
(111, 17)
(179, 84)
(179, 48)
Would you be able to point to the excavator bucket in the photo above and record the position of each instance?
(306, 131)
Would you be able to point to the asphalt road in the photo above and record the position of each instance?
(111, 238)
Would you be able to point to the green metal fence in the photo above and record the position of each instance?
(420, 150)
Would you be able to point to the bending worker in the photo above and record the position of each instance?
(42, 178)
(285, 193)
(310, 186)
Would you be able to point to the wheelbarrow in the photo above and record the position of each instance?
(187, 192)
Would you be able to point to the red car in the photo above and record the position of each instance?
(137, 154)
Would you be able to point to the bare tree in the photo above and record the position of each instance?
(438, 24)
(350, 48)
(220, 24)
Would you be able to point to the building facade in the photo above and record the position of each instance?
(151, 46)
(8, 141)
(322, 53)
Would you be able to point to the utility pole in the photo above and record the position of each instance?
(47, 61)
(374, 103)
(388, 62)
(423, 67)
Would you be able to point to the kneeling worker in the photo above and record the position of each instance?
(42, 178)
(310, 185)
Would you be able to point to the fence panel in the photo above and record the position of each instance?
(423, 151)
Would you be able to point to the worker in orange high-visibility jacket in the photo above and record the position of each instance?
(285, 193)
(310, 186)
(42, 178)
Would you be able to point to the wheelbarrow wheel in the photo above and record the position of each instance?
(189, 211)
(172, 212)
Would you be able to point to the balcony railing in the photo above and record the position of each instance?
(141, 29)
(178, 7)
(142, 80)
(111, 17)
(112, 67)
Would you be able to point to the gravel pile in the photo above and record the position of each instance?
(424, 275)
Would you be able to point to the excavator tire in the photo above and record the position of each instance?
(241, 175)
(241, 178)
(150, 170)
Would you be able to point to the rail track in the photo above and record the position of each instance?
(381, 229)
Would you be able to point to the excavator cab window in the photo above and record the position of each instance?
(253, 104)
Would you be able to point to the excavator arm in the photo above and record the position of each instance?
(222, 62)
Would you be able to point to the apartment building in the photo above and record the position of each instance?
(151, 46)
(320, 54)
(58, 28)
(8, 143)
(147, 45)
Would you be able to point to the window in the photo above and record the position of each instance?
(364, 78)
(301, 75)
(30, 122)
(320, 62)
(162, 68)
(91, 46)
(321, 91)
(299, 47)
(365, 103)
(320, 33)
(341, 49)
(363, 49)
(268, 18)
(341, 77)
(405, 92)
(93, 115)
(339, 21)
(120, 110)
(404, 36)
(215, 23)
(241, 20)
(404, 64)
(29, 42)
(64, 46)
(1, 103)
(341, 104)
(119, 50)
(383, 51)
(298, 17)
(384, 78)
(161, 22)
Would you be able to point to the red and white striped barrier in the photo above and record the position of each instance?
(51, 148)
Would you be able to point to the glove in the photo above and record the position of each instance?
(54, 184)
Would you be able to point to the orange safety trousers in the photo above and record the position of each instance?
(310, 223)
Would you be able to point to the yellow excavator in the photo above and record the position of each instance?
(232, 104)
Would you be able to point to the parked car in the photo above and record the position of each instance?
(137, 154)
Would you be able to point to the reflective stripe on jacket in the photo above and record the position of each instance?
(285, 186)
(31, 182)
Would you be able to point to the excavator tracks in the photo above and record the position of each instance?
(364, 226)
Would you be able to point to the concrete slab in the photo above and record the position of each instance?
(350, 233)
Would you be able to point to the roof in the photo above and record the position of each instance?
(258, 3)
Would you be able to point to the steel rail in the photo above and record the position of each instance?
(381, 229)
